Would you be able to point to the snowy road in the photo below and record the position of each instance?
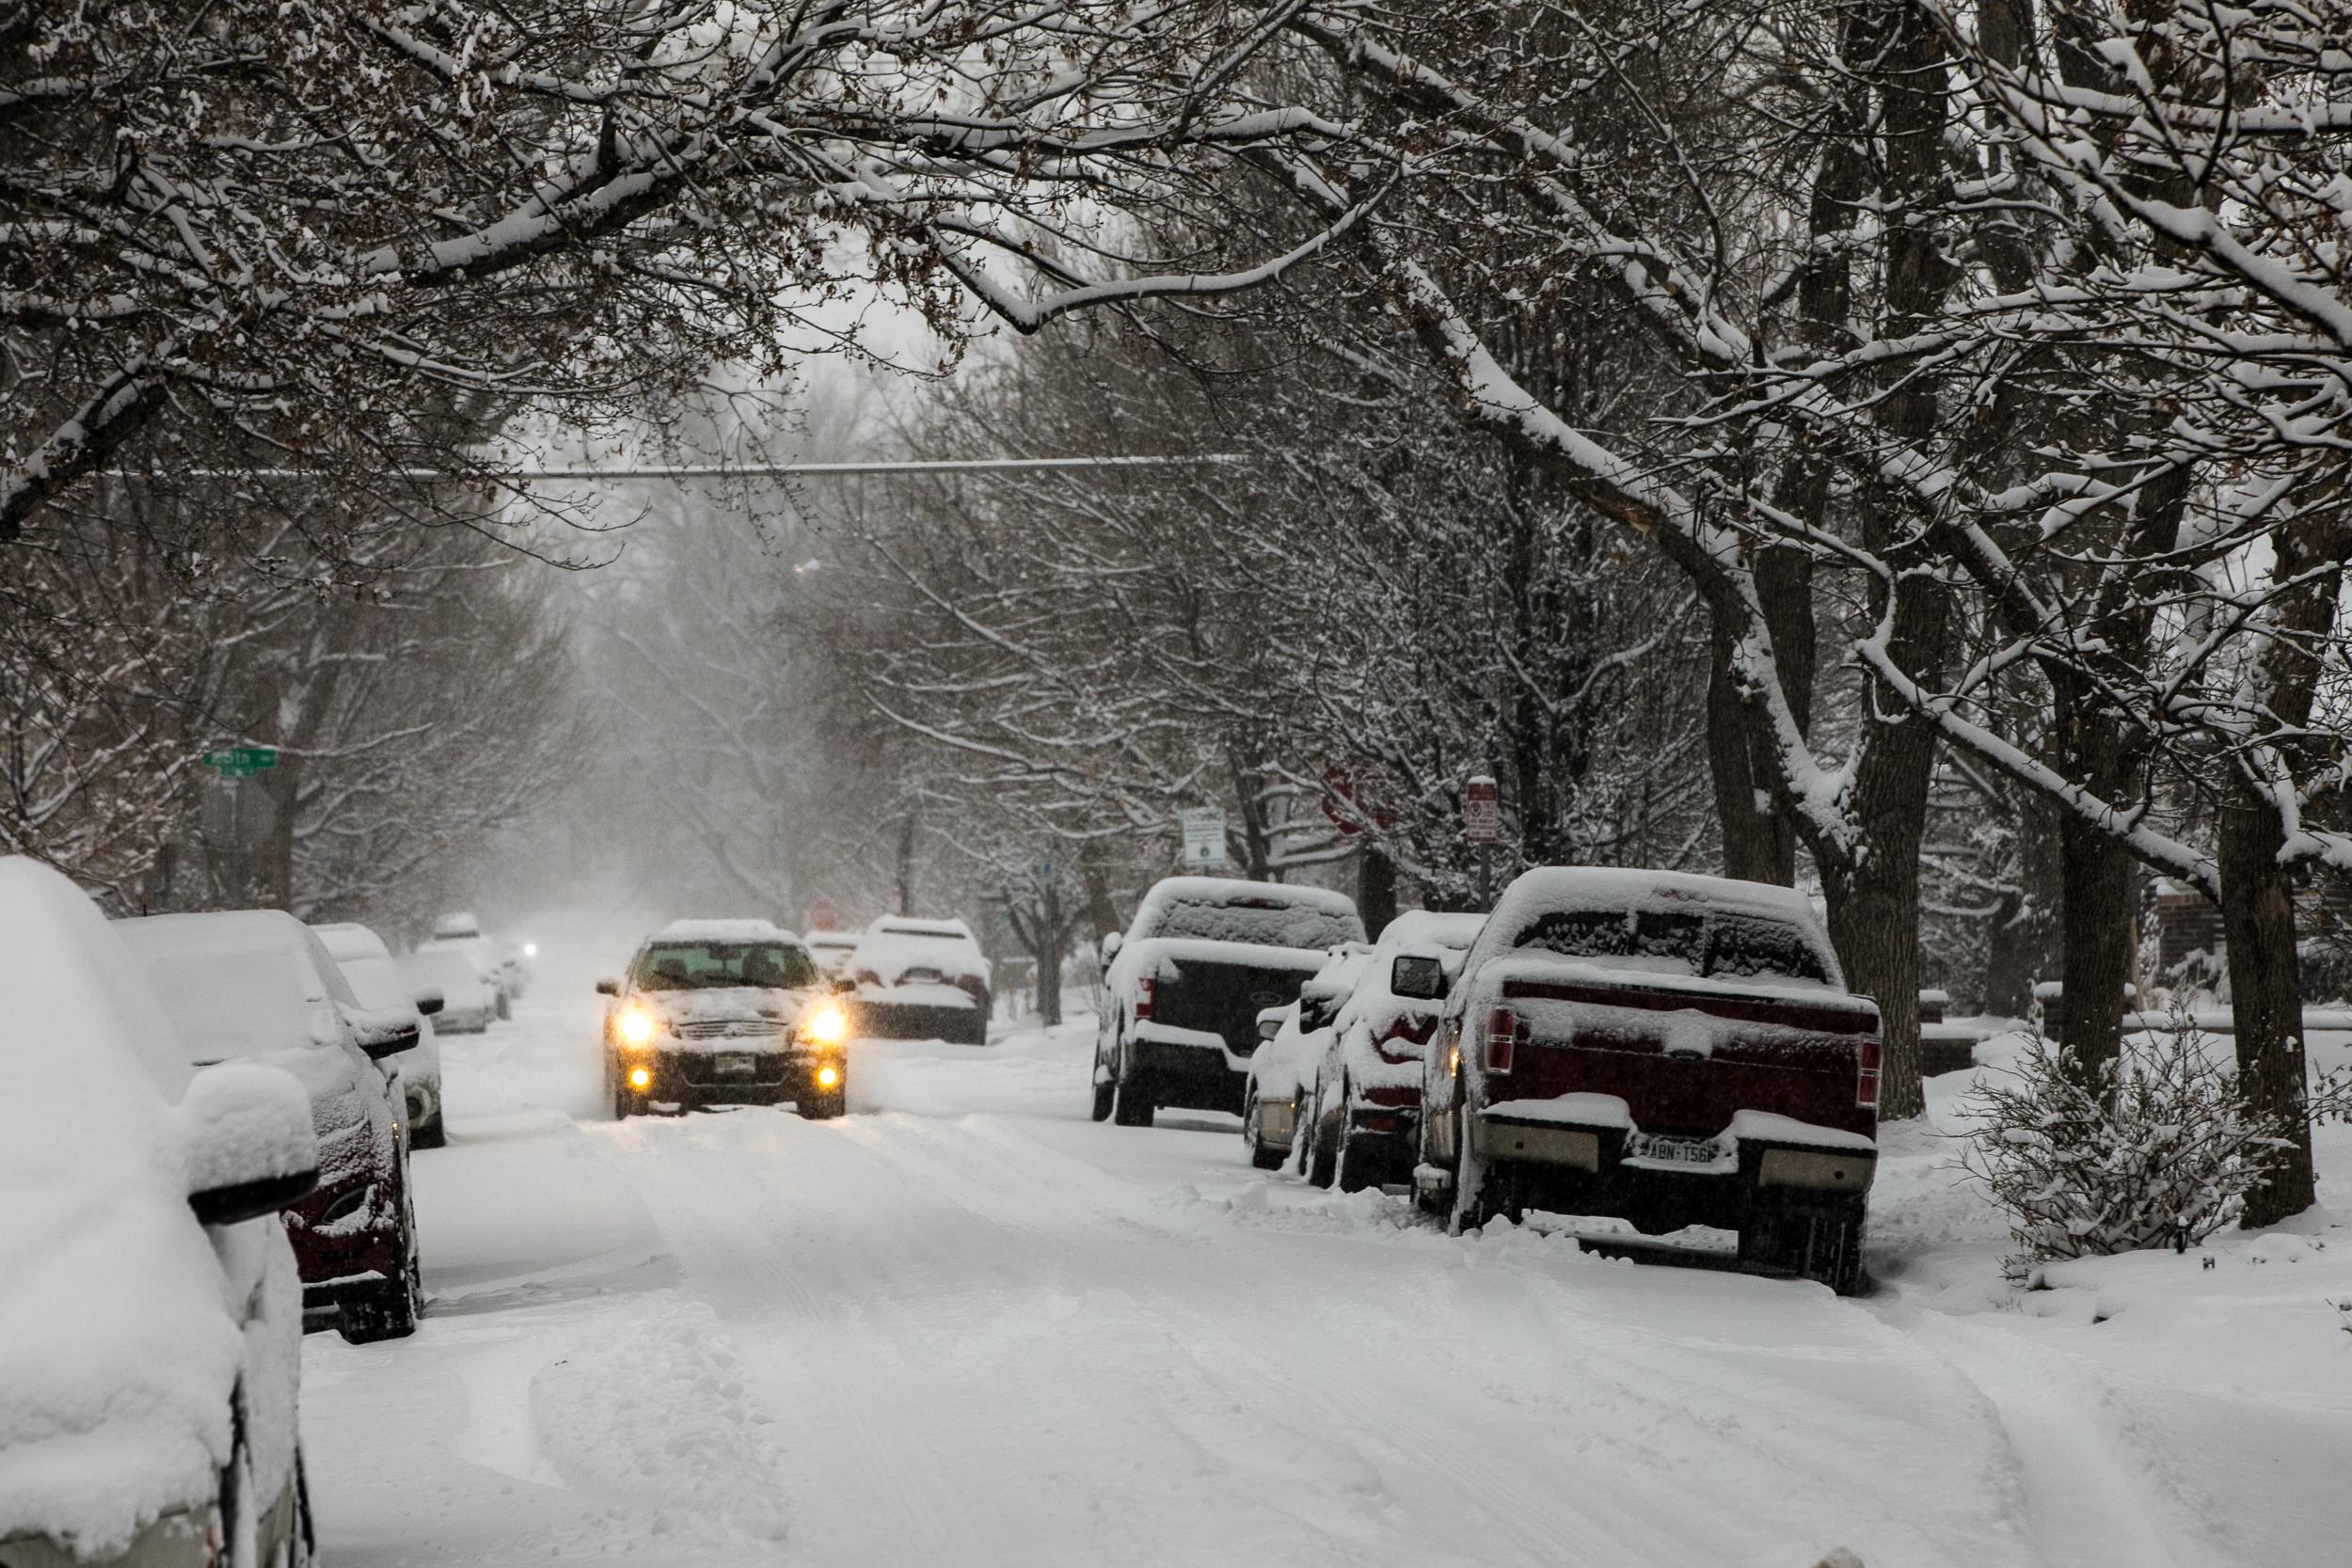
(967, 1326)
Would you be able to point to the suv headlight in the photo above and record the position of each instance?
(827, 1025)
(638, 1025)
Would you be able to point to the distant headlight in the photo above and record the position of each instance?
(637, 1026)
(827, 1025)
(530, 949)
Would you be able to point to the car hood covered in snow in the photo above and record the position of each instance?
(118, 1340)
(718, 1003)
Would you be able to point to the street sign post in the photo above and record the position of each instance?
(1482, 824)
(1204, 837)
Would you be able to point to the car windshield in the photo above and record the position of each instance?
(1256, 919)
(707, 965)
(1714, 943)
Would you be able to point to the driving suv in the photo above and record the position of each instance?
(725, 1012)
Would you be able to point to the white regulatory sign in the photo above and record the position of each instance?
(1204, 836)
(1481, 811)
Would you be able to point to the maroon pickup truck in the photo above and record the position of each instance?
(1667, 1049)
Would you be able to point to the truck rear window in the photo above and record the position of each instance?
(1714, 943)
(1261, 922)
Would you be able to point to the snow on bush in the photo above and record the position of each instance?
(2154, 1150)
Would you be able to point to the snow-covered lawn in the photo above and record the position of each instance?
(969, 1326)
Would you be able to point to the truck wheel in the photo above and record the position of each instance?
(824, 1107)
(1252, 1124)
(1359, 1167)
(1322, 1158)
(1105, 1092)
(389, 1311)
(1135, 1107)
(625, 1102)
(1820, 1245)
(1472, 1206)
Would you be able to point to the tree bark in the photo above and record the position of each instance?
(1375, 887)
(2265, 996)
(2024, 946)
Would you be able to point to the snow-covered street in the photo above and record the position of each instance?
(965, 1324)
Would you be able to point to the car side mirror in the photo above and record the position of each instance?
(429, 1002)
(608, 988)
(1270, 1023)
(842, 984)
(250, 1147)
(1112, 942)
(1417, 977)
(383, 1032)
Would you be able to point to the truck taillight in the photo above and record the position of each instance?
(1503, 1039)
(1144, 987)
(1866, 1084)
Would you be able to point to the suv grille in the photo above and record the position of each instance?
(731, 1028)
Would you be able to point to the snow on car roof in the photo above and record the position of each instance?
(1433, 929)
(910, 926)
(722, 930)
(345, 939)
(239, 982)
(456, 925)
(1549, 890)
(831, 939)
(1212, 890)
(117, 1350)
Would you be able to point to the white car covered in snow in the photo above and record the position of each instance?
(921, 980)
(833, 951)
(1363, 1100)
(150, 1322)
(376, 979)
(462, 933)
(468, 1002)
(1281, 1070)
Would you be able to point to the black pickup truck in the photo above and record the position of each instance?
(1184, 987)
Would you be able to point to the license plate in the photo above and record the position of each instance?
(1680, 1151)
(738, 1066)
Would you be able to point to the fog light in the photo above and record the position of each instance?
(828, 1075)
(639, 1078)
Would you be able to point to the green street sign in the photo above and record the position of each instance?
(241, 762)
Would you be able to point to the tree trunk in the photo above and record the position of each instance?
(2265, 995)
(2097, 931)
(1102, 914)
(1048, 954)
(906, 863)
(2024, 946)
(1375, 887)
(1874, 923)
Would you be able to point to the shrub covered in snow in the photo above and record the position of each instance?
(2154, 1150)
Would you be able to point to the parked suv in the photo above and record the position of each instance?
(256, 985)
(1672, 1049)
(151, 1324)
(1277, 1080)
(1187, 981)
(725, 1012)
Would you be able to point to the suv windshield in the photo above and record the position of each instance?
(1265, 922)
(1715, 943)
(706, 965)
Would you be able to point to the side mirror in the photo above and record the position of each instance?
(608, 988)
(1270, 1023)
(1417, 977)
(1112, 942)
(251, 1149)
(842, 984)
(429, 1002)
(383, 1032)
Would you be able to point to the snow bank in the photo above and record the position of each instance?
(118, 1345)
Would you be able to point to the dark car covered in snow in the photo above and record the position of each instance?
(715, 1012)
(256, 985)
(1666, 1048)
(1186, 983)
(918, 979)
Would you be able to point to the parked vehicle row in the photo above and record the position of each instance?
(1663, 1049)
(205, 1150)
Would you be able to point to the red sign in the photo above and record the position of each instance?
(1343, 802)
(1481, 811)
(822, 916)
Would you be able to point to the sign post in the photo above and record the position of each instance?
(1482, 824)
(1204, 838)
(234, 766)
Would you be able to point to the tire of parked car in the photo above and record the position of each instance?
(429, 1134)
(1252, 1132)
(1104, 1093)
(1135, 1105)
(1320, 1161)
(389, 1309)
(1357, 1166)
(505, 1009)
(824, 1107)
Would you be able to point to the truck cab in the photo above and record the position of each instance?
(1665, 1048)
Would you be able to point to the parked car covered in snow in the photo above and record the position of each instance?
(1281, 1070)
(833, 951)
(377, 980)
(151, 1324)
(920, 980)
(1177, 1017)
(1668, 1049)
(462, 933)
(725, 1012)
(1365, 1085)
(256, 985)
(468, 1002)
